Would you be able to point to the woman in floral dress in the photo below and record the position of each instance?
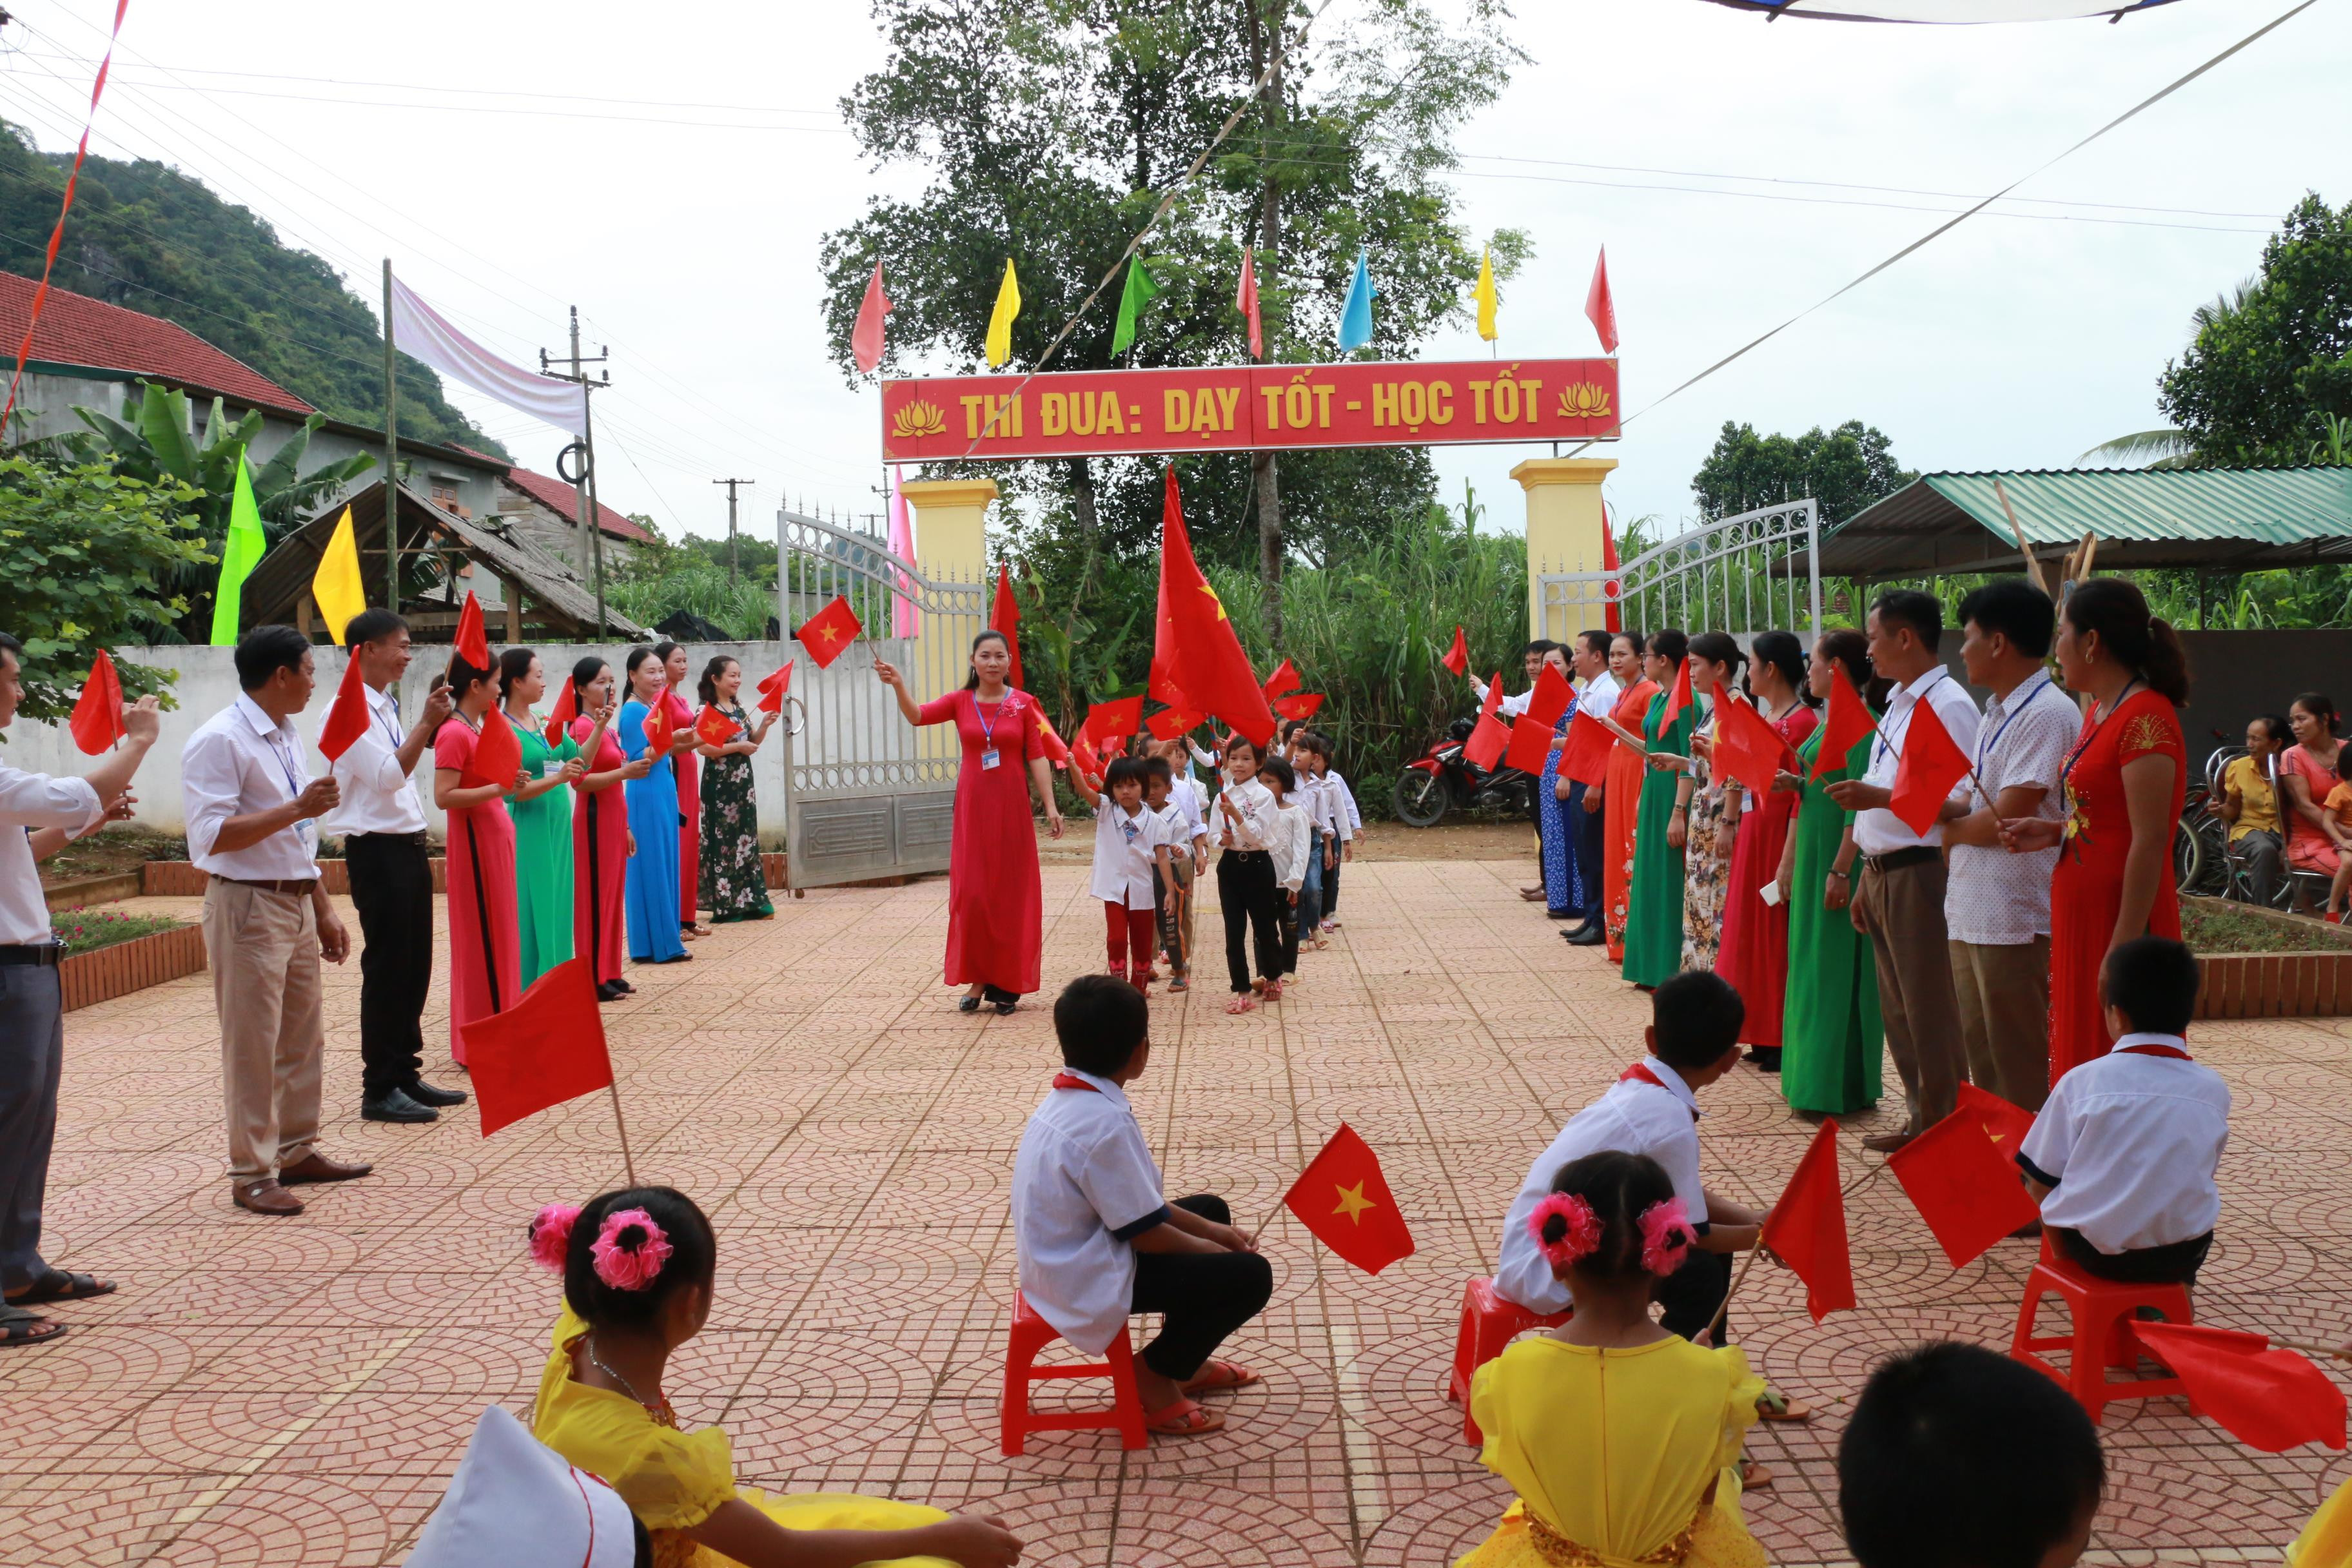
(1712, 822)
(734, 881)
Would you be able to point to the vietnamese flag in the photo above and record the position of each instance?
(1486, 741)
(1204, 658)
(1531, 737)
(559, 723)
(773, 690)
(1108, 723)
(1613, 591)
(1847, 722)
(1171, 722)
(471, 644)
(498, 752)
(1284, 679)
(2004, 1123)
(1806, 1229)
(828, 633)
(1083, 758)
(545, 1049)
(1679, 697)
(1300, 705)
(1932, 763)
(1746, 747)
(1342, 1197)
(1586, 760)
(1963, 1186)
(347, 716)
(713, 728)
(2268, 1398)
(1004, 616)
(98, 713)
(1057, 751)
(659, 724)
(1458, 657)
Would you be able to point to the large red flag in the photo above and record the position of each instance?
(773, 690)
(1678, 697)
(1245, 301)
(1599, 306)
(1586, 760)
(1284, 679)
(828, 633)
(347, 716)
(559, 723)
(2267, 1398)
(1932, 763)
(1486, 741)
(2004, 1123)
(1004, 616)
(1206, 662)
(545, 1049)
(1806, 1229)
(1746, 747)
(98, 714)
(1458, 657)
(472, 645)
(1963, 1186)
(1613, 591)
(1345, 1200)
(1530, 745)
(497, 754)
(1847, 722)
(865, 338)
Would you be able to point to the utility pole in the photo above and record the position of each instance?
(390, 457)
(732, 573)
(583, 483)
(1266, 35)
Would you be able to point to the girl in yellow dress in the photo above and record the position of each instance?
(638, 1267)
(1622, 1440)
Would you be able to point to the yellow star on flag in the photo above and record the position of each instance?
(827, 633)
(1215, 600)
(1353, 1203)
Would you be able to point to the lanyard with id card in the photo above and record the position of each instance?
(988, 757)
(307, 828)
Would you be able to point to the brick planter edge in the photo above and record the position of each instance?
(2275, 986)
(127, 967)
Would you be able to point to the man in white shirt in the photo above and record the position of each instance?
(382, 824)
(1996, 907)
(38, 816)
(1532, 657)
(252, 811)
(1900, 901)
(1599, 695)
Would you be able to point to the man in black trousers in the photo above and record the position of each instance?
(382, 824)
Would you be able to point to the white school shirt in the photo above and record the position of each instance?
(1879, 831)
(1995, 898)
(1633, 1118)
(1084, 1187)
(241, 760)
(1355, 822)
(1256, 803)
(1330, 808)
(377, 796)
(1510, 707)
(1287, 841)
(1188, 798)
(1603, 690)
(1123, 846)
(1173, 828)
(2129, 1146)
(28, 801)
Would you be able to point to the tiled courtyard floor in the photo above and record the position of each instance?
(295, 1392)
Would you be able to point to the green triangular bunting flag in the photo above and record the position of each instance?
(1139, 291)
(240, 553)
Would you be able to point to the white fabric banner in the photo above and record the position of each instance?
(420, 331)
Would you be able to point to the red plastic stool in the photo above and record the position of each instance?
(1489, 1322)
(2102, 1313)
(1031, 1334)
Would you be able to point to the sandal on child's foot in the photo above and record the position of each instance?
(1257, 985)
(1774, 1405)
(1753, 1476)
(1242, 1003)
(968, 1005)
(1185, 1418)
(1273, 992)
(1180, 984)
(1216, 1373)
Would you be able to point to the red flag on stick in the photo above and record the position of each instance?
(2004, 1123)
(1300, 705)
(865, 338)
(659, 726)
(1679, 698)
(1284, 679)
(559, 723)
(347, 717)
(1458, 657)
(1600, 306)
(1109, 723)
(828, 633)
(1083, 758)
(1004, 616)
(1746, 747)
(1932, 763)
(98, 714)
(1530, 745)
(545, 1049)
(1491, 735)
(472, 645)
(1057, 751)
(497, 754)
(1963, 1188)
(1171, 722)
(713, 728)
(773, 689)
(1806, 1229)
(2267, 1398)
(1613, 591)
(1586, 760)
(1847, 722)
(1204, 658)
(1344, 1199)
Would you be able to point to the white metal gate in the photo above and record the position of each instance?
(868, 794)
(1735, 575)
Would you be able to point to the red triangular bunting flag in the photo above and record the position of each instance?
(1847, 722)
(347, 717)
(2270, 1399)
(567, 709)
(1004, 616)
(713, 728)
(1806, 1229)
(98, 714)
(1932, 763)
(545, 1049)
(1963, 1186)
(828, 633)
(471, 644)
(1245, 301)
(774, 688)
(1458, 657)
(1600, 306)
(1531, 737)
(1586, 760)
(497, 754)
(1486, 741)
(1344, 1199)
(1746, 747)
(866, 337)
(1284, 679)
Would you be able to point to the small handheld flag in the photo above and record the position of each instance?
(1679, 697)
(1932, 763)
(1746, 747)
(773, 690)
(497, 754)
(1847, 724)
(347, 717)
(2268, 1398)
(1345, 1201)
(713, 728)
(1300, 705)
(545, 1049)
(1109, 723)
(828, 633)
(567, 709)
(1586, 760)
(1284, 679)
(1806, 1229)
(1531, 744)
(98, 713)
(2004, 1123)
(1963, 1186)
(1171, 722)
(1491, 734)
(1458, 657)
(659, 725)
(472, 644)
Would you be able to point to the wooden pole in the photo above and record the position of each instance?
(628, 1166)
(1738, 1281)
(390, 457)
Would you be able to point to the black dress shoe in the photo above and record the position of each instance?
(1590, 936)
(610, 991)
(395, 1105)
(433, 1094)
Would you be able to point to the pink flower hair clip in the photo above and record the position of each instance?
(1577, 1234)
(629, 1249)
(550, 1236)
(1666, 1237)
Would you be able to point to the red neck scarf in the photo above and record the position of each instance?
(2150, 1048)
(1063, 1080)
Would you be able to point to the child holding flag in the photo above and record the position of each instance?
(1177, 854)
(1126, 838)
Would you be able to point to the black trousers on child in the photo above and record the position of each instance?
(1247, 892)
(1691, 1294)
(2174, 1264)
(392, 889)
(1331, 879)
(1203, 1296)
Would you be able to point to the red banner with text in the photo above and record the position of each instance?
(1072, 414)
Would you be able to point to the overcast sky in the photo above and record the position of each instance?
(678, 200)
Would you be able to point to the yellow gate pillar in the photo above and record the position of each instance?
(950, 547)
(1563, 535)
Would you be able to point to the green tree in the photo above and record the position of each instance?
(1843, 469)
(81, 550)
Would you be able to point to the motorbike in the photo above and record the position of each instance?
(1446, 780)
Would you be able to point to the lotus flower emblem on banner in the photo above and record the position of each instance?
(1584, 400)
(916, 420)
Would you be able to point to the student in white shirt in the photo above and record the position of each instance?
(1287, 843)
(1343, 823)
(1245, 882)
(382, 824)
(1899, 903)
(1124, 835)
(252, 811)
(2125, 1155)
(1589, 655)
(1096, 1240)
(1532, 657)
(1175, 850)
(1310, 758)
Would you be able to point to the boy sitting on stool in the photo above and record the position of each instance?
(1096, 1240)
(2125, 1153)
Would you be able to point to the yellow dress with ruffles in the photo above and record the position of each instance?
(1612, 1453)
(673, 1480)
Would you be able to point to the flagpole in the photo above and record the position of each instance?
(390, 457)
(1740, 1278)
(628, 1166)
